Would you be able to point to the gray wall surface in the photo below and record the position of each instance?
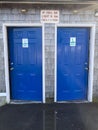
(12, 14)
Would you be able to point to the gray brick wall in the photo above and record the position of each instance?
(2, 75)
(49, 58)
(2, 101)
(12, 14)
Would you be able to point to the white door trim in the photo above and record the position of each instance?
(91, 57)
(6, 56)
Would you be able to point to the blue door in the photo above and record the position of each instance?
(25, 63)
(72, 63)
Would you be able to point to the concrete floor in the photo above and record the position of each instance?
(49, 117)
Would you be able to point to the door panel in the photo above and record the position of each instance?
(72, 61)
(25, 61)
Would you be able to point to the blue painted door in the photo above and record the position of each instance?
(25, 63)
(72, 63)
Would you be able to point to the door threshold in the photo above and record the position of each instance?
(23, 102)
(85, 101)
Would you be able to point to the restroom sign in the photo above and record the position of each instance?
(25, 43)
(49, 16)
(72, 41)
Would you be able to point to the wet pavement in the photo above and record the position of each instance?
(49, 117)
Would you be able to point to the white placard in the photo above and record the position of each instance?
(25, 43)
(72, 41)
(49, 16)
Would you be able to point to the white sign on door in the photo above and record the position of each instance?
(72, 41)
(25, 43)
(49, 16)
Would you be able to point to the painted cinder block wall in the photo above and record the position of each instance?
(12, 14)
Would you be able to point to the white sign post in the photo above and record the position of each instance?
(49, 16)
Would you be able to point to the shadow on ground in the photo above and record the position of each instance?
(49, 117)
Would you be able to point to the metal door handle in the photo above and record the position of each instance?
(86, 68)
(12, 68)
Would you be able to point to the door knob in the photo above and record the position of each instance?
(11, 68)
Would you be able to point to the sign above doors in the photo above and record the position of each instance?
(49, 16)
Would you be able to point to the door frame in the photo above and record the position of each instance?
(91, 58)
(7, 77)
